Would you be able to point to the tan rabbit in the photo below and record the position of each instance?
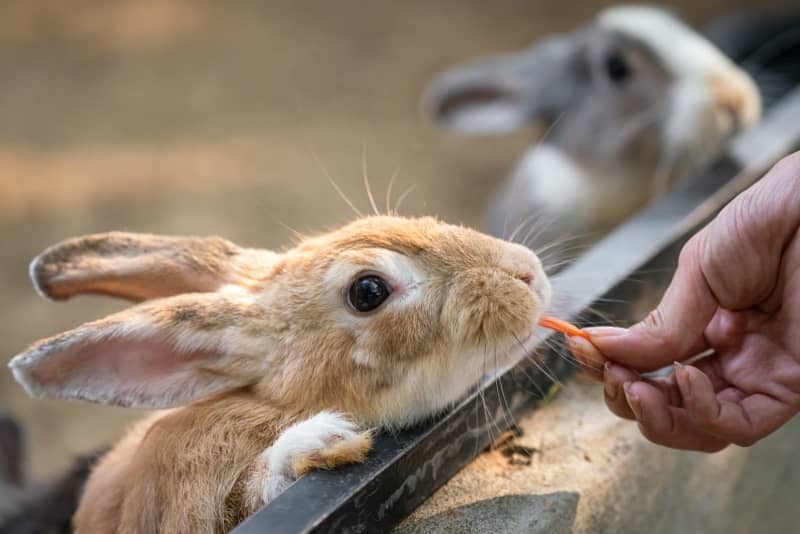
(282, 361)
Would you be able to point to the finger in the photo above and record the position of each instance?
(730, 415)
(614, 379)
(591, 360)
(667, 425)
(616, 376)
(674, 330)
(710, 366)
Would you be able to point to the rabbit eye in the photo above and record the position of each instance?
(367, 293)
(616, 67)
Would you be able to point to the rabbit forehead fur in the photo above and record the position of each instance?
(458, 302)
(680, 48)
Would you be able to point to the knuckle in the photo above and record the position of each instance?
(698, 413)
(654, 325)
(653, 320)
(744, 441)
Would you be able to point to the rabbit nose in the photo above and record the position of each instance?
(729, 106)
(529, 278)
(737, 100)
(526, 277)
(732, 116)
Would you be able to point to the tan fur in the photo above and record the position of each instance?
(139, 266)
(183, 470)
(735, 94)
(342, 453)
(287, 341)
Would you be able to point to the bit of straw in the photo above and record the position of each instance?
(562, 326)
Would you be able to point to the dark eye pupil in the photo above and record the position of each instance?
(617, 68)
(367, 293)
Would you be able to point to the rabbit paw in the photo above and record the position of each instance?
(324, 441)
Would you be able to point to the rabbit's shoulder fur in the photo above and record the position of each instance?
(164, 458)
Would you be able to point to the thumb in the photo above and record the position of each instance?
(674, 330)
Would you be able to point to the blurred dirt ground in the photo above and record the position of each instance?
(205, 117)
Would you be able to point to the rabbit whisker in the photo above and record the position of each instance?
(402, 198)
(489, 419)
(529, 220)
(504, 406)
(366, 180)
(333, 183)
(539, 366)
(543, 139)
(389, 191)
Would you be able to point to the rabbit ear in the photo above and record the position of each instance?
(157, 354)
(501, 93)
(141, 266)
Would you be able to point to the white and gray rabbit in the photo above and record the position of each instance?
(632, 102)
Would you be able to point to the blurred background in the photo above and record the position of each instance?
(204, 117)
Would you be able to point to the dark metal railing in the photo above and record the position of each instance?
(631, 264)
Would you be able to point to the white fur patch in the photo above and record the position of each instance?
(429, 386)
(405, 277)
(401, 271)
(559, 183)
(488, 118)
(683, 50)
(232, 289)
(568, 197)
(687, 120)
(307, 437)
(440, 380)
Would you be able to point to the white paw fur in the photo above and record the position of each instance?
(302, 439)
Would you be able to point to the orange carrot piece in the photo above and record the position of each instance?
(562, 326)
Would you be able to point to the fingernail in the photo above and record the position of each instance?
(683, 380)
(578, 342)
(633, 399)
(610, 390)
(605, 331)
(576, 346)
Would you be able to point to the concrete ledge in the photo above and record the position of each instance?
(594, 473)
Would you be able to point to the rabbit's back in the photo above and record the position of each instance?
(182, 470)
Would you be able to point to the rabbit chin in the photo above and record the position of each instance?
(442, 380)
(694, 122)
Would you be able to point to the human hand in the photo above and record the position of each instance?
(736, 291)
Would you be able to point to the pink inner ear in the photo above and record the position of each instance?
(129, 372)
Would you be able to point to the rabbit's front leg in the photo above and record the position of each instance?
(324, 441)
